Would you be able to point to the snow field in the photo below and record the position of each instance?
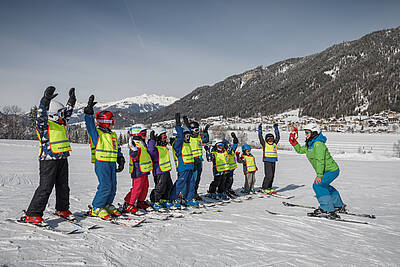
(242, 235)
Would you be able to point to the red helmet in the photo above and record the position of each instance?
(104, 119)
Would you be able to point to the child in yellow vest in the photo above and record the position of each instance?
(53, 157)
(249, 168)
(220, 159)
(270, 157)
(106, 154)
(140, 166)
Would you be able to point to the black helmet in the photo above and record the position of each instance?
(194, 125)
(269, 136)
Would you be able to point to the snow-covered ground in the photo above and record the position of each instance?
(242, 235)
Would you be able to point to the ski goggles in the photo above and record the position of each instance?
(111, 121)
(143, 134)
(220, 146)
(195, 131)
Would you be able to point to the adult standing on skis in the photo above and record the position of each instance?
(53, 156)
(325, 167)
(196, 143)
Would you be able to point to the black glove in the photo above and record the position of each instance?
(72, 97)
(235, 139)
(121, 163)
(178, 119)
(89, 108)
(152, 135)
(48, 96)
(186, 121)
(206, 128)
(275, 126)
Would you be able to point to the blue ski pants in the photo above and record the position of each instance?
(328, 197)
(184, 178)
(198, 168)
(107, 188)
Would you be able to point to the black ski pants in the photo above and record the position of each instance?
(229, 181)
(269, 172)
(163, 186)
(198, 168)
(52, 173)
(218, 184)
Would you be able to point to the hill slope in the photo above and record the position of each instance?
(346, 79)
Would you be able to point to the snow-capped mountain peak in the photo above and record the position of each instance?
(142, 103)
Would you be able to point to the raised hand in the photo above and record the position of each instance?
(48, 96)
(72, 97)
(89, 108)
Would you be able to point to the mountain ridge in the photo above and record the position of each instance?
(350, 78)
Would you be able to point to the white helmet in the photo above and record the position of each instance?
(136, 129)
(56, 111)
(159, 131)
(174, 132)
(313, 127)
(216, 141)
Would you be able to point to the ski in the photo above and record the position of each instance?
(76, 223)
(46, 228)
(126, 222)
(371, 216)
(324, 217)
(278, 195)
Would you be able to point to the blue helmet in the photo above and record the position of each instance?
(246, 147)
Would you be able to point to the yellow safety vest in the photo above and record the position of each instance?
(163, 158)
(250, 163)
(145, 162)
(232, 161)
(58, 140)
(187, 155)
(270, 151)
(221, 161)
(106, 148)
(197, 146)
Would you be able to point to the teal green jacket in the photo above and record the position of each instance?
(318, 155)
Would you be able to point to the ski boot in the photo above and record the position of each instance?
(101, 213)
(223, 196)
(229, 194)
(166, 204)
(244, 191)
(198, 198)
(271, 191)
(332, 216)
(112, 210)
(177, 203)
(212, 195)
(157, 206)
(341, 209)
(144, 205)
(233, 193)
(318, 213)
(36, 220)
(192, 203)
(66, 214)
(129, 208)
(253, 191)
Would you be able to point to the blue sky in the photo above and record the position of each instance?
(122, 48)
